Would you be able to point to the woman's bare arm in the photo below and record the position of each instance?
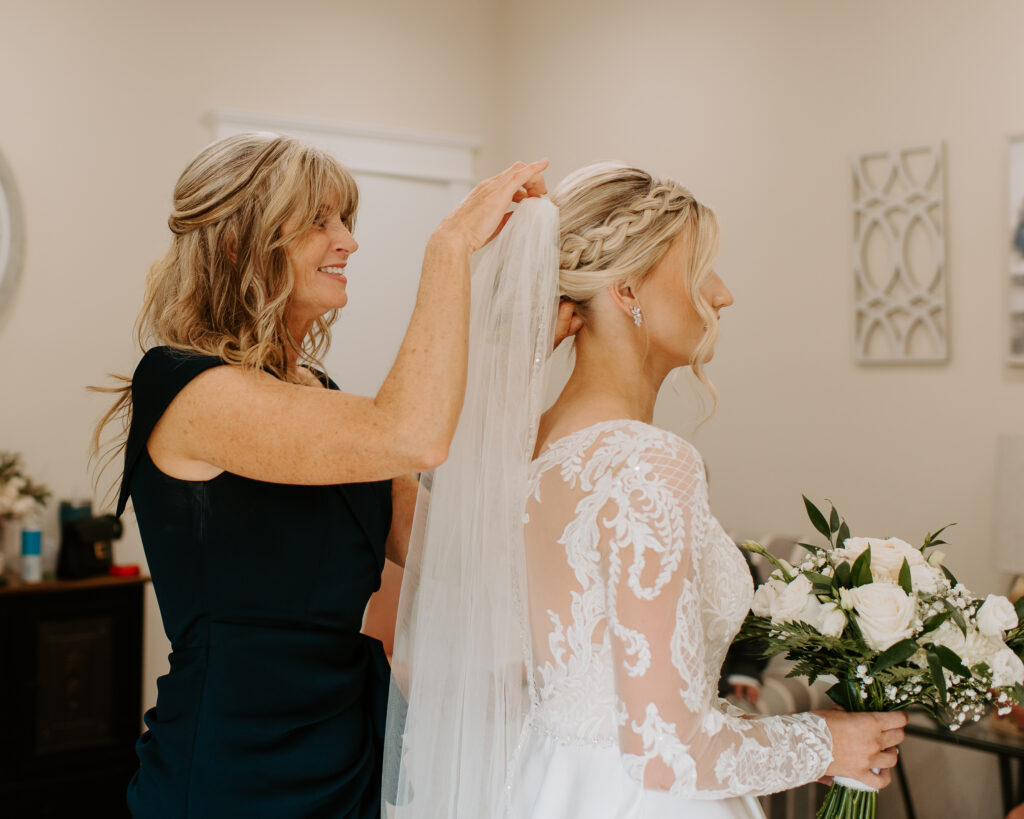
(254, 425)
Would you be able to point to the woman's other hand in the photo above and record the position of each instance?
(567, 322)
(864, 741)
(483, 213)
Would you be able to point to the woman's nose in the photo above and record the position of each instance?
(345, 241)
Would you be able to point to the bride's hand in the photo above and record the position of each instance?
(864, 741)
(483, 213)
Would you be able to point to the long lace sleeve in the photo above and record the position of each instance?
(675, 733)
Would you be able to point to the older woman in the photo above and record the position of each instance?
(264, 494)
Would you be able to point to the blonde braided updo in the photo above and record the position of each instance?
(616, 222)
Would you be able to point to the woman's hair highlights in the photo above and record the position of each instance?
(616, 224)
(222, 286)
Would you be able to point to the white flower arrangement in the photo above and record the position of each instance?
(19, 494)
(892, 627)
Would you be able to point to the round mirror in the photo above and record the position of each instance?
(12, 237)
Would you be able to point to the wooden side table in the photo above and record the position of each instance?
(70, 695)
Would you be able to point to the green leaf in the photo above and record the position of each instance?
(844, 694)
(861, 571)
(844, 533)
(935, 664)
(951, 660)
(957, 616)
(819, 579)
(1019, 608)
(843, 575)
(895, 654)
(905, 577)
(931, 539)
(833, 520)
(817, 519)
(810, 547)
(935, 621)
(949, 575)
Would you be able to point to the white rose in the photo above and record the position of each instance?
(885, 614)
(887, 556)
(1007, 669)
(936, 558)
(950, 636)
(979, 648)
(926, 579)
(831, 620)
(791, 601)
(765, 596)
(996, 615)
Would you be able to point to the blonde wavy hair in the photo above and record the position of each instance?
(616, 222)
(222, 287)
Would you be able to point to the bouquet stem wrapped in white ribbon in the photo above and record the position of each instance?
(893, 627)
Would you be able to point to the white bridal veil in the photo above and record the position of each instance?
(459, 690)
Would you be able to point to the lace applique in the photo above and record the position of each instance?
(635, 594)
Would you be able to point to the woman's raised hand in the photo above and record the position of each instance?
(483, 213)
(864, 741)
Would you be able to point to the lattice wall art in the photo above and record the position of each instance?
(899, 259)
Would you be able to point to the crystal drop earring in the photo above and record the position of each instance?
(638, 319)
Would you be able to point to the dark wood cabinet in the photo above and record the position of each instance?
(70, 695)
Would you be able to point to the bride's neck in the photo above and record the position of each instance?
(613, 379)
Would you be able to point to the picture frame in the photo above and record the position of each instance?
(1015, 252)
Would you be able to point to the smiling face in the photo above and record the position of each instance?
(318, 258)
(675, 326)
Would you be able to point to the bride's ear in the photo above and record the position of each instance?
(622, 297)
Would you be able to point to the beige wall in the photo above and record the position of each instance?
(101, 106)
(756, 106)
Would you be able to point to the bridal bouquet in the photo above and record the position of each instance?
(889, 625)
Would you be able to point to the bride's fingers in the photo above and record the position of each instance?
(892, 738)
(885, 759)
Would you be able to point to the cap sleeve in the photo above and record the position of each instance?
(159, 377)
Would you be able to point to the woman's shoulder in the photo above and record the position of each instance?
(622, 440)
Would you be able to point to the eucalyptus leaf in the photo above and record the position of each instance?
(935, 621)
(935, 664)
(833, 520)
(811, 547)
(949, 575)
(843, 535)
(819, 579)
(951, 660)
(861, 571)
(843, 575)
(844, 694)
(1019, 608)
(957, 616)
(895, 654)
(817, 519)
(905, 577)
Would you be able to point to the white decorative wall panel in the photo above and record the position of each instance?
(899, 260)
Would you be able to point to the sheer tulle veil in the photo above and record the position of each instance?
(459, 688)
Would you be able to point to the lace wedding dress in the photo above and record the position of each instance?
(634, 595)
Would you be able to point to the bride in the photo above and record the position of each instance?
(569, 598)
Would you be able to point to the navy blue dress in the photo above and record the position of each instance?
(275, 704)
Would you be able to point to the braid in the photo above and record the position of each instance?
(616, 224)
(593, 247)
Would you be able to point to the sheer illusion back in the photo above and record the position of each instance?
(634, 595)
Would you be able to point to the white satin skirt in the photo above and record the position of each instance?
(558, 781)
